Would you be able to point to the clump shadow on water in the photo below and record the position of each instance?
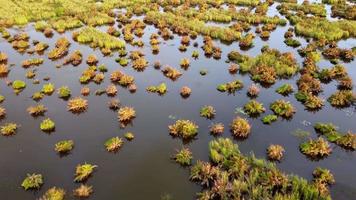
(143, 163)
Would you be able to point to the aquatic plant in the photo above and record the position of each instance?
(2, 98)
(185, 129)
(254, 108)
(3, 57)
(111, 90)
(282, 108)
(247, 41)
(32, 181)
(253, 90)
(233, 68)
(342, 98)
(285, 89)
(347, 141)
(82, 172)
(240, 127)
(96, 38)
(126, 114)
(48, 89)
(113, 144)
(2, 112)
(315, 148)
(47, 125)
(37, 96)
(32, 62)
(184, 63)
(230, 87)
(171, 73)
(323, 175)
(37, 110)
(183, 157)
(64, 146)
(75, 58)
(292, 42)
(8, 129)
(129, 136)
(268, 119)
(4, 70)
(83, 191)
(195, 54)
(207, 112)
(114, 104)
(161, 89)
(77, 105)
(53, 193)
(18, 85)
(185, 91)
(275, 152)
(60, 50)
(217, 129)
(64, 92)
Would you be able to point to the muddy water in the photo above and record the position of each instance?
(142, 169)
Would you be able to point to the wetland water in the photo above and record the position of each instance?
(142, 169)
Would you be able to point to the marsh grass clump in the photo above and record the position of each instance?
(322, 179)
(129, 136)
(75, 58)
(32, 62)
(97, 38)
(8, 129)
(64, 146)
(285, 89)
(41, 47)
(113, 144)
(240, 127)
(184, 63)
(37, 96)
(114, 104)
(232, 175)
(318, 148)
(160, 89)
(246, 41)
(283, 108)
(233, 68)
(217, 129)
(347, 141)
(269, 119)
(4, 70)
(18, 86)
(2, 98)
(2, 112)
(82, 172)
(171, 73)
(77, 105)
(53, 193)
(48, 89)
(183, 157)
(83, 191)
(185, 91)
(3, 57)
(207, 112)
(37, 110)
(230, 87)
(292, 42)
(60, 50)
(47, 125)
(185, 129)
(64, 92)
(32, 181)
(253, 91)
(342, 98)
(275, 152)
(126, 114)
(254, 108)
(111, 90)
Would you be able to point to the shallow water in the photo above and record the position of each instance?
(142, 169)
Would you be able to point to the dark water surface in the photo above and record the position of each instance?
(142, 169)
